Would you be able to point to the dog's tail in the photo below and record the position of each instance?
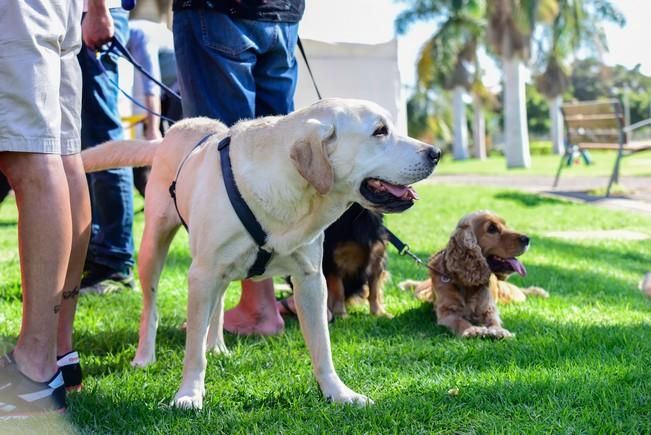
(421, 289)
(120, 153)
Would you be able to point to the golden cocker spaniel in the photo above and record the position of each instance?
(468, 276)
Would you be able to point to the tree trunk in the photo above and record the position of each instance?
(460, 146)
(558, 145)
(478, 129)
(516, 135)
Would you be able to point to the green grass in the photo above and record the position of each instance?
(579, 364)
(603, 162)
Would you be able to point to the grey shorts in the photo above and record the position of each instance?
(40, 79)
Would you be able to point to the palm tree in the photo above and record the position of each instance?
(481, 98)
(576, 26)
(449, 58)
(510, 27)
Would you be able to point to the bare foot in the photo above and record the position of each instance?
(256, 314)
(241, 321)
(287, 307)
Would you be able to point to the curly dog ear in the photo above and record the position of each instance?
(464, 259)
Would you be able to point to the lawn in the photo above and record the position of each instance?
(579, 364)
(547, 165)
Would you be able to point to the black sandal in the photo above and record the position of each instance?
(21, 397)
(71, 370)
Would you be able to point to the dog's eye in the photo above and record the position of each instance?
(492, 229)
(381, 131)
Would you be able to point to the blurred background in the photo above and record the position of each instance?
(477, 77)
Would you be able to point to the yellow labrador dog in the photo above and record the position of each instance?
(297, 173)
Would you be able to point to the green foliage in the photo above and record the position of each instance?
(592, 80)
(429, 117)
(537, 111)
(578, 25)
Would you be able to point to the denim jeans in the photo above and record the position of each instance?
(232, 69)
(111, 194)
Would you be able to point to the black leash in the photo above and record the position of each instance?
(122, 51)
(309, 70)
(403, 249)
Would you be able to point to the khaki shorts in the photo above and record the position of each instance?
(40, 79)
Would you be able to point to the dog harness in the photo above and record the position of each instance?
(240, 206)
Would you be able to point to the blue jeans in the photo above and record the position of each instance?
(111, 195)
(234, 69)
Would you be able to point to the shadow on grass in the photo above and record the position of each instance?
(543, 365)
(528, 199)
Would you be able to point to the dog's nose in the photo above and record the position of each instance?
(434, 154)
(525, 240)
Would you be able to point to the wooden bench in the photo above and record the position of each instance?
(599, 125)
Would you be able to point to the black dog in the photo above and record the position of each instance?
(355, 259)
(354, 262)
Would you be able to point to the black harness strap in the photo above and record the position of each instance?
(243, 211)
(172, 188)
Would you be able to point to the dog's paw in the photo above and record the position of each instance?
(218, 348)
(188, 401)
(337, 392)
(339, 310)
(383, 313)
(350, 397)
(407, 285)
(498, 333)
(474, 332)
(538, 292)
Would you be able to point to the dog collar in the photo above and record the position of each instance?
(243, 211)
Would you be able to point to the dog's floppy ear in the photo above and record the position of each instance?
(464, 259)
(310, 157)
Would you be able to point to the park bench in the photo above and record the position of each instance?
(599, 125)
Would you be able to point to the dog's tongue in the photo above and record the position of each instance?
(517, 266)
(402, 192)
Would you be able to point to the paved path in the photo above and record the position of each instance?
(573, 188)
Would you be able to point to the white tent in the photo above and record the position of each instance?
(347, 70)
(351, 70)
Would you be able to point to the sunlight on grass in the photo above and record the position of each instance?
(547, 165)
(579, 362)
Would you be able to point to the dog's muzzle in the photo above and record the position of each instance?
(388, 197)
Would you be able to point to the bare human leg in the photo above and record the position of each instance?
(256, 313)
(80, 206)
(44, 240)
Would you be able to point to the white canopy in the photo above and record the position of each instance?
(352, 70)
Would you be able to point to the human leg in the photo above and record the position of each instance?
(256, 313)
(39, 183)
(215, 62)
(276, 72)
(275, 81)
(42, 124)
(110, 252)
(80, 205)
